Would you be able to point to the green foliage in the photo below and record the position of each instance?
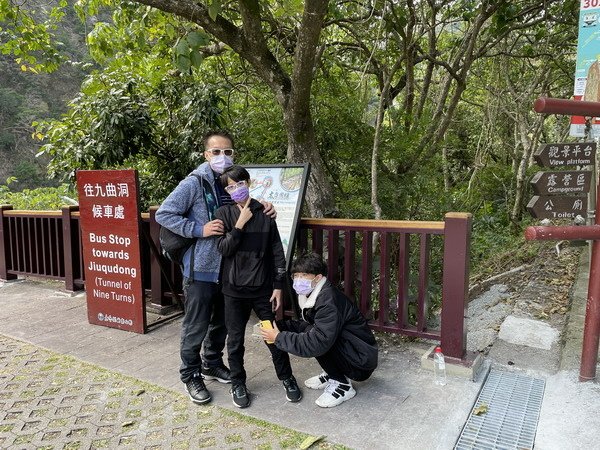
(46, 198)
(123, 120)
(30, 39)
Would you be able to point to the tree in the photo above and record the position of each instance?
(248, 30)
(243, 30)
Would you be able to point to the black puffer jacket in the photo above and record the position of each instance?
(253, 258)
(334, 323)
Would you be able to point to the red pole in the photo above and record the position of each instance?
(566, 233)
(546, 105)
(591, 329)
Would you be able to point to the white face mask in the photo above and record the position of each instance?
(220, 162)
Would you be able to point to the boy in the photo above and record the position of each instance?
(333, 331)
(253, 274)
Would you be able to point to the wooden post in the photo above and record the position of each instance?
(457, 241)
(5, 245)
(156, 281)
(68, 246)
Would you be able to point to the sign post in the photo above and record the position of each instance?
(591, 330)
(110, 235)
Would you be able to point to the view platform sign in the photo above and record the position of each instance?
(110, 234)
(563, 155)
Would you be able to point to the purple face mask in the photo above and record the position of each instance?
(302, 286)
(240, 194)
(220, 162)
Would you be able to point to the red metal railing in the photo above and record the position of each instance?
(384, 266)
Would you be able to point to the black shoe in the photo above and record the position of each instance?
(240, 395)
(197, 390)
(219, 373)
(292, 391)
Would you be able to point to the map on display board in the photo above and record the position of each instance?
(284, 185)
(587, 69)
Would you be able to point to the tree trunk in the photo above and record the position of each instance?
(528, 144)
(302, 147)
(293, 92)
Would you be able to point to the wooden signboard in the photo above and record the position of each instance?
(562, 155)
(557, 207)
(110, 234)
(563, 182)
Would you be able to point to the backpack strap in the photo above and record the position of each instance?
(211, 206)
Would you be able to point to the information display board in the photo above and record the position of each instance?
(587, 69)
(110, 234)
(284, 185)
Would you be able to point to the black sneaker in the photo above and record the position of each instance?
(292, 391)
(197, 390)
(219, 373)
(240, 395)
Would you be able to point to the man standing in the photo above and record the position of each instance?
(189, 211)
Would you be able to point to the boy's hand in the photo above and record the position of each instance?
(275, 299)
(245, 214)
(270, 334)
(269, 209)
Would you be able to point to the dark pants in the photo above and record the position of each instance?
(237, 314)
(203, 322)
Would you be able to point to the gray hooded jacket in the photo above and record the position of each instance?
(185, 211)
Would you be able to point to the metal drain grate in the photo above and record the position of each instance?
(513, 407)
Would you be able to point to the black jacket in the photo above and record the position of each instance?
(334, 323)
(253, 258)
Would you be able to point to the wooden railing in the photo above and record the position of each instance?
(389, 268)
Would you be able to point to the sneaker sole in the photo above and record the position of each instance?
(316, 387)
(240, 406)
(343, 399)
(220, 380)
(198, 402)
(293, 401)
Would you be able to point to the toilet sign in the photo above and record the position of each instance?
(557, 207)
(110, 235)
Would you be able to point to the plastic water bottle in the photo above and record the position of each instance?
(439, 366)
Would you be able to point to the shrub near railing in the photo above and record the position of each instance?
(47, 243)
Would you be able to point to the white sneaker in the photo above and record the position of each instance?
(335, 393)
(317, 382)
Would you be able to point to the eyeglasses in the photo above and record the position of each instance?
(217, 151)
(232, 187)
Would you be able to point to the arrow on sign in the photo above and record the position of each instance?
(561, 155)
(557, 207)
(564, 182)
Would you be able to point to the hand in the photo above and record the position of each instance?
(269, 209)
(245, 214)
(213, 228)
(275, 299)
(268, 334)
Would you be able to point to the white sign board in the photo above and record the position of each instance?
(284, 185)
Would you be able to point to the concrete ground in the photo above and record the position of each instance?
(399, 407)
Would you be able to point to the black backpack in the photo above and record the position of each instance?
(174, 245)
